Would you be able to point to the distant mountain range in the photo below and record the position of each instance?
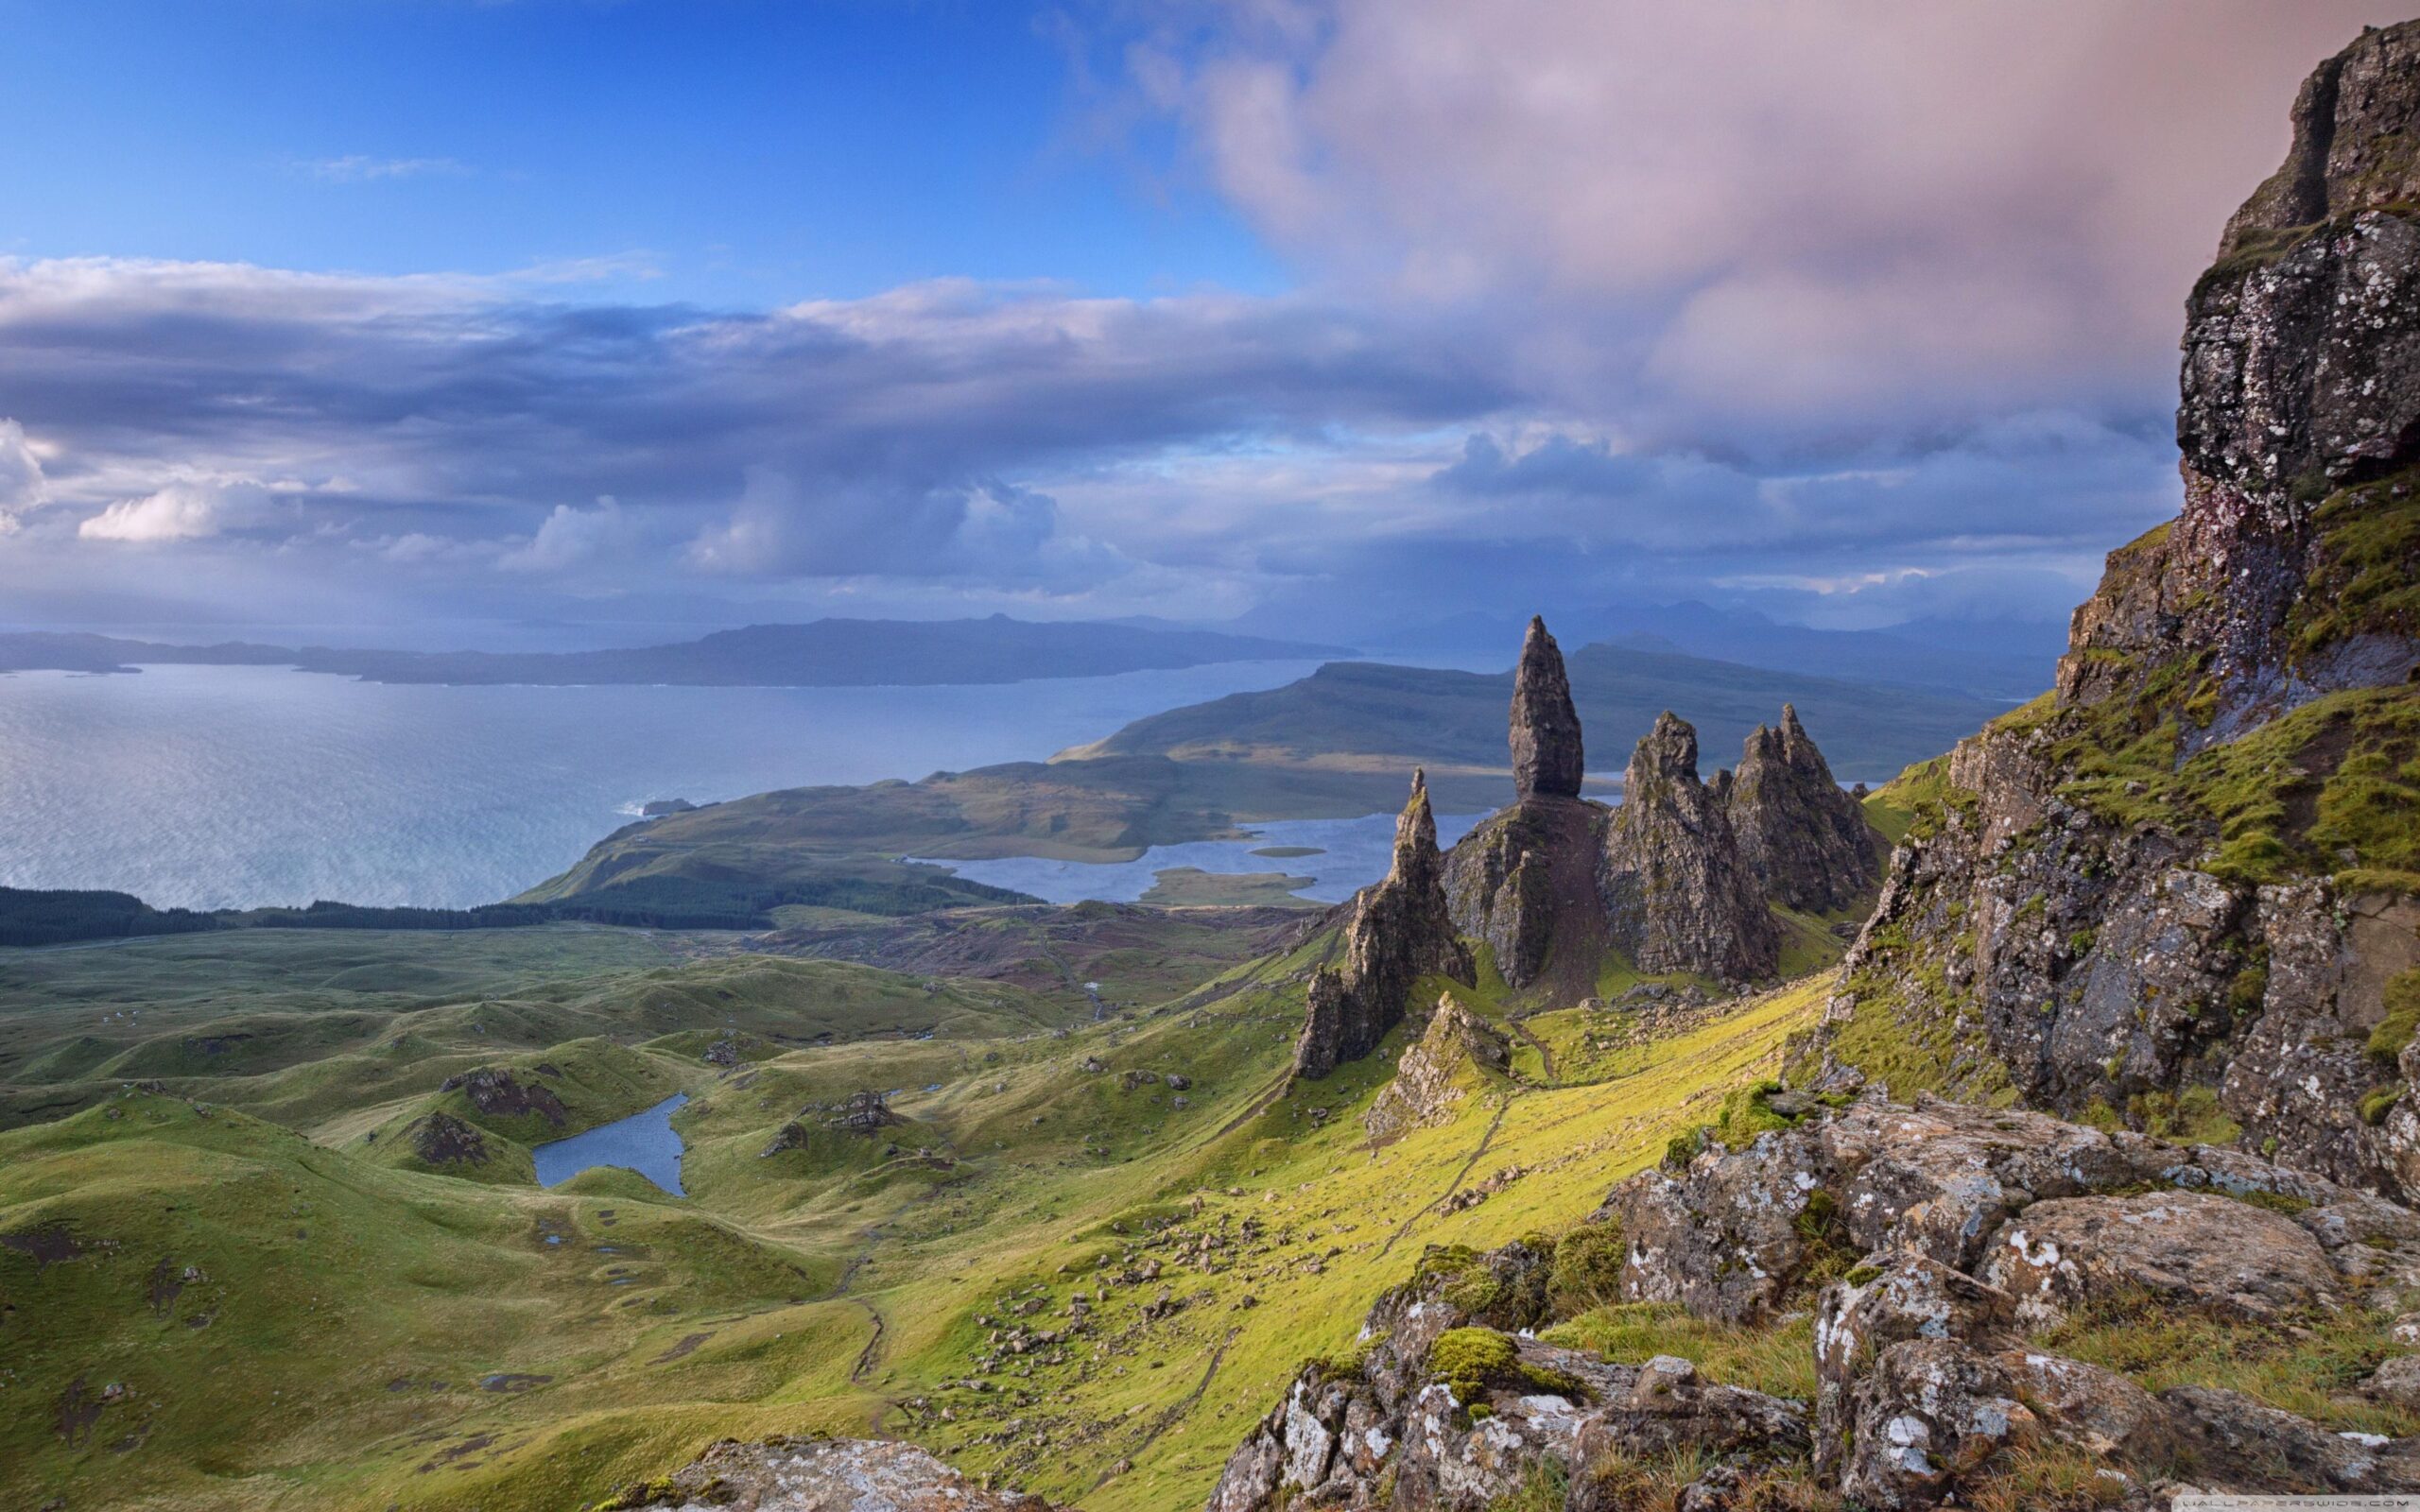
(824, 653)
(2004, 658)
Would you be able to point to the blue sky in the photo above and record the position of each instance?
(400, 317)
(728, 153)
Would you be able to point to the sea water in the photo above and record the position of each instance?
(211, 787)
(1351, 854)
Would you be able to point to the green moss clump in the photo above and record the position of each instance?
(1469, 1358)
(2192, 1116)
(2366, 579)
(1685, 1146)
(1469, 1361)
(2402, 1018)
(1587, 1269)
(2379, 1102)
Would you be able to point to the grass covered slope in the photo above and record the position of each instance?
(331, 1034)
(395, 1336)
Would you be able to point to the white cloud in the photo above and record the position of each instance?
(571, 537)
(1786, 212)
(186, 510)
(23, 486)
(360, 168)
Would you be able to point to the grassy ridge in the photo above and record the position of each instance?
(831, 1285)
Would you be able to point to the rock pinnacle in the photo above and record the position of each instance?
(1547, 755)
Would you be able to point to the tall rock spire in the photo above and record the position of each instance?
(1547, 755)
(1803, 839)
(1678, 896)
(1400, 933)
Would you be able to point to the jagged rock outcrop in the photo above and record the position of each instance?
(1677, 894)
(2301, 377)
(441, 1139)
(1547, 758)
(865, 1112)
(1554, 882)
(1803, 839)
(1401, 930)
(1458, 1051)
(497, 1093)
(2183, 887)
(1938, 1246)
(819, 1475)
(1524, 880)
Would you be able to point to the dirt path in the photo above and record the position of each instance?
(1544, 1054)
(1456, 1185)
(1176, 1409)
(1256, 1107)
(866, 1356)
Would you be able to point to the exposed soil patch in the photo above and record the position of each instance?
(448, 1456)
(79, 1408)
(48, 1245)
(509, 1381)
(688, 1346)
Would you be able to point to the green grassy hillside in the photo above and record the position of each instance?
(291, 1316)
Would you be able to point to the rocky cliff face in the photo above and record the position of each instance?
(2300, 384)
(1678, 893)
(1400, 931)
(2180, 890)
(1803, 841)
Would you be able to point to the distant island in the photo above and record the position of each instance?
(1337, 744)
(826, 653)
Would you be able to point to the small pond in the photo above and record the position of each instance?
(644, 1143)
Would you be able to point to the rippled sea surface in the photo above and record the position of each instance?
(211, 787)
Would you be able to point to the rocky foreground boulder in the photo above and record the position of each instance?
(1937, 1247)
(819, 1475)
